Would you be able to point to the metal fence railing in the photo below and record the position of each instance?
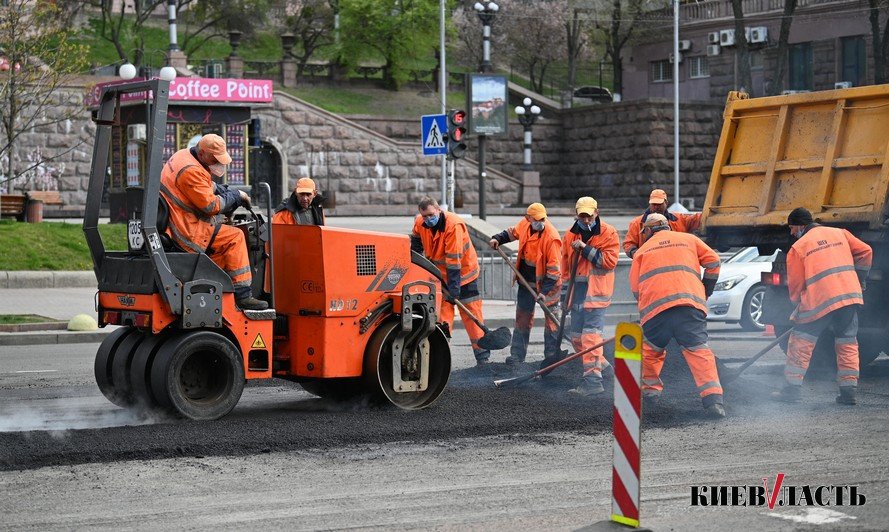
(495, 277)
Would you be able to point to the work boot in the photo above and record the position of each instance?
(713, 405)
(251, 303)
(788, 394)
(589, 385)
(515, 360)
(482, 358)
(848, 395)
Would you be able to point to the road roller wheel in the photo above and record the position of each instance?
(105, 360)
(334, 389)
(120, 368)
(378, 367)
(198, 375)
(140, 370)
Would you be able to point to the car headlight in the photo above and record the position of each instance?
(729, 283)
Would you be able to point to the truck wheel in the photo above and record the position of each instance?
(140, 370)
(120, 368)
(751, 311)
(334, 389)
(104, 362)
(199, 375)
(378, 368)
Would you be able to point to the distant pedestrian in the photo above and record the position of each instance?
(539, 262)
(657, 203)
(827, 272)
(443, 238)
(595, 246)
(666, 280)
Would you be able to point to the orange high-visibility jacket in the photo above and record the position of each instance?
(821, 271)
(194, 203)
(683, 223)
(597, 270)
(450, 249)
(543, 250)
(666, 273)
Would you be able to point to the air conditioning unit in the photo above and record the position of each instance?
(842, 85)
(136, 133)
(726, 37)
(785, 93)
(759, 34)
(684, 45)
(672, 58)
(713, 37)
(713, 49)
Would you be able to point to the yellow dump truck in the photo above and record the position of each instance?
(826, 151)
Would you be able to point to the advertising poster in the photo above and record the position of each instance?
(487, 100)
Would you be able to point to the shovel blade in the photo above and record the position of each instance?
(496, 339)
(515, 381)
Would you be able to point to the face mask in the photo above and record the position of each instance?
(432, 221)
(217, 169)
(799, 234)
(538, 225)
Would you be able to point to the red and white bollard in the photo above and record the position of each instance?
(625, 476)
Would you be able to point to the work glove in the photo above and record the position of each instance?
(631, 252)
(494, 243)
(563, 298)
(245, 199)
(578, 244)
(862, 279)
(709, 285)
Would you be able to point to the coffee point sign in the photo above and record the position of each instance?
(201, 90)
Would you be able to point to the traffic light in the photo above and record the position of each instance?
(456, 133)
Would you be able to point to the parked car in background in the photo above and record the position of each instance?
(738, 295)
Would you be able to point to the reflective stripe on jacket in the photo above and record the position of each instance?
(666, 273)
(597, 268)
(450, 249)
(682, 223)
(194, 204)
(821, 271)
(543, 250)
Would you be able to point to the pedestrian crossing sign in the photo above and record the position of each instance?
(434, 134)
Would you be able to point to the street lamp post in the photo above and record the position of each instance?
(528, 114)
(485, 12)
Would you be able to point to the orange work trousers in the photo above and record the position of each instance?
(229, 252)
(470, 297)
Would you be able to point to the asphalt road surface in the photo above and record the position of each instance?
(480, 458)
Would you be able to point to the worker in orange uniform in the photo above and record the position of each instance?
(195, 200)
(302, 207)
(443, 239)
(827, 272)
(666, 280)
(539, 262)
(595, 246)
(657, 203)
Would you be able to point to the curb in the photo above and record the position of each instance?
(47, 279)
(49, 337)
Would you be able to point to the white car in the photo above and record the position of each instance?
(738, 295)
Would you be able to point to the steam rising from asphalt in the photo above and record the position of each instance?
(60, 415)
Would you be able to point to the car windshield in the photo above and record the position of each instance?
(750, 254)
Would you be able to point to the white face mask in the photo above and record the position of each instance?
(217, 169)
(538, 225)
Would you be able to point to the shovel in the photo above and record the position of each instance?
(492, 340)
(568, 303)
(732, 374)
(515, 381)
(546, 310)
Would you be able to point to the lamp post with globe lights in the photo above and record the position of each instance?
(528, 114)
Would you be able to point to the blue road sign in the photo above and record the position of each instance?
(434, 134)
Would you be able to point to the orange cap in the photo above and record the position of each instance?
(537, 211)
(215, 146)
(657, 196)
(304, 185)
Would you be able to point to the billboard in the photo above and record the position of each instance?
(488, 100)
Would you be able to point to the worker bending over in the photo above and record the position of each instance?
(302, 207)
(827, 272)
(195, 201)
(657, 203)
(589, 252)
(443, 238)
(665, 278)
(538, 260)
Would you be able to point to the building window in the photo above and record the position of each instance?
(756, 60)
(801, 66)
(854, 60)
(661, 71)
(698, 67)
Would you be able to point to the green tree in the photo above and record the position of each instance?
(878, 15)
(37, 60)
(121, 24)
(400, 32)
(312, 23)
(205, 20)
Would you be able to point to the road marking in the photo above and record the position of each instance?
(815, 516)
(37, 371)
